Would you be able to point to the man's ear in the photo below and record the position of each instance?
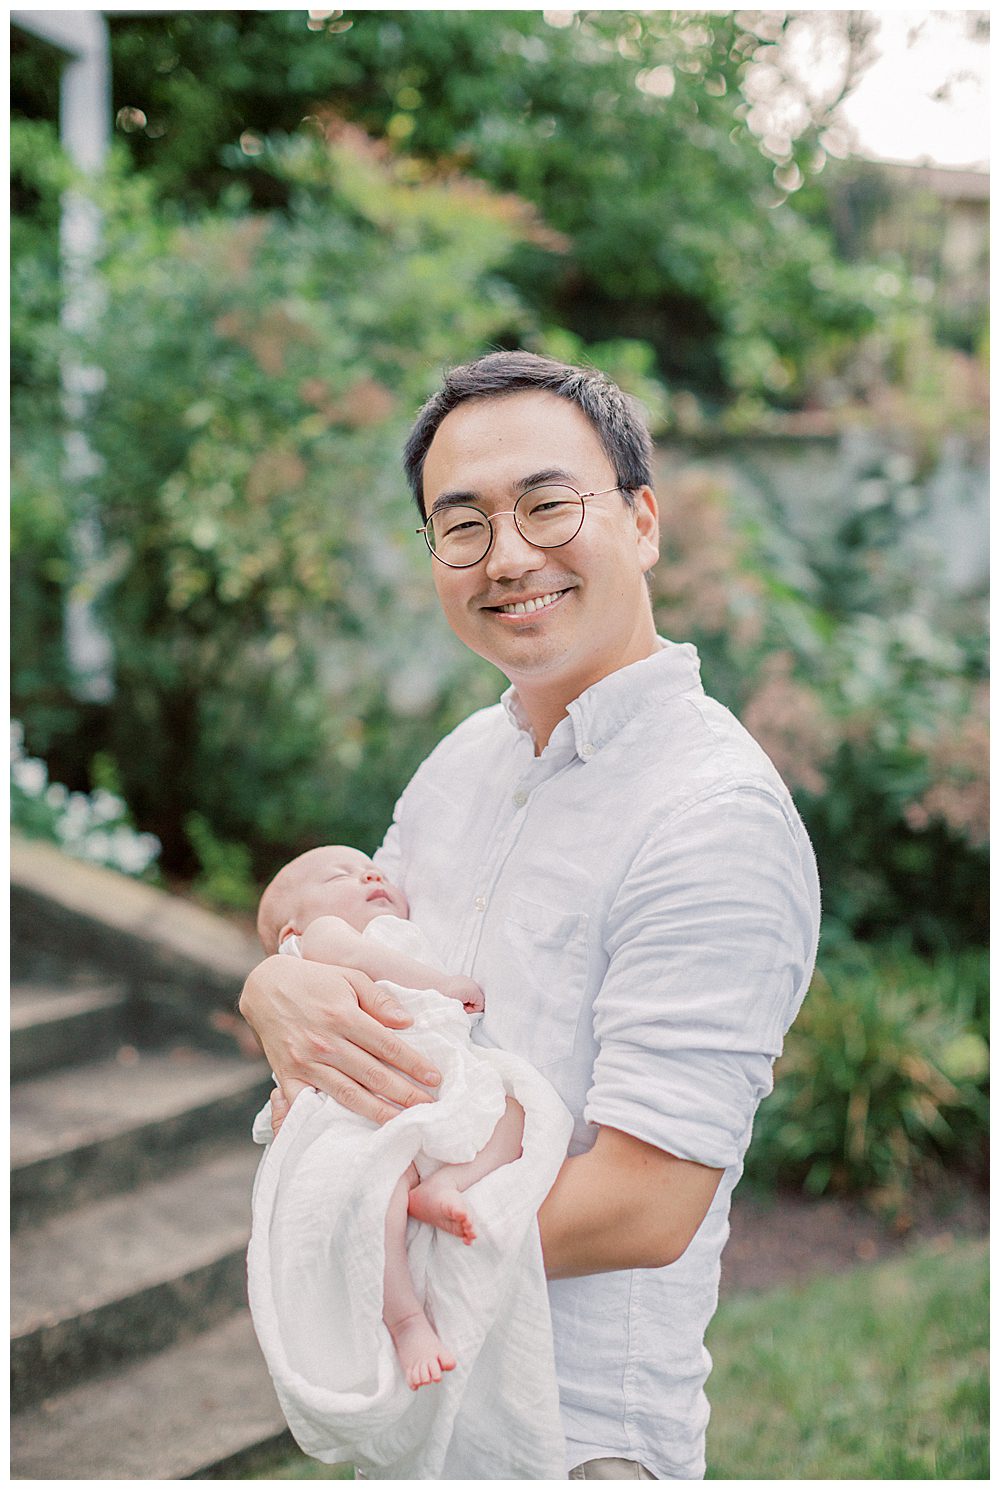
(647, 526)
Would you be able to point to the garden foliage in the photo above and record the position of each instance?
(280, 665)
(884, 1075)
(865, 683)
(677, 152)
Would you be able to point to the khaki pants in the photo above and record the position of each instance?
(595, 1469)
(610, 1469)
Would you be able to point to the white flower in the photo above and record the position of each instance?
(105, 807)
(75, 818)
(97, 846)
(57, 796)
(134, 852)
(30, 776)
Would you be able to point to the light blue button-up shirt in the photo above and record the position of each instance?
(641, 907)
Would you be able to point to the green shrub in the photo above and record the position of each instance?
(280, 664)
(883, 1075)
(225, 875)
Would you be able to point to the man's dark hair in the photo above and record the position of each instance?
(616, 419)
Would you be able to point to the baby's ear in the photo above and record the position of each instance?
(289, 929)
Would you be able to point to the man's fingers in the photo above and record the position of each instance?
(366, 1069)
(354, 1097)
(367, 1030)
(290, 1088)
(389, 1050)
(378, 1002)
(346, 1045)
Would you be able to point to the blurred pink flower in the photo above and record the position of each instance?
(787, 719)
(958, 756)
(700, 583)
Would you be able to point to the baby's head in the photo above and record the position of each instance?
(328, 881)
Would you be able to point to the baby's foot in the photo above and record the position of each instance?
(421, 1354)
(439, 1203)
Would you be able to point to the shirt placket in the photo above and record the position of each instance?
(511, 821)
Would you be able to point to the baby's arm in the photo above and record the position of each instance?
(330, 939)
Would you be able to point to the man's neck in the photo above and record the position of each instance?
(544, 705)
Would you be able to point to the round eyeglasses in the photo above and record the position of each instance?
(545, 516)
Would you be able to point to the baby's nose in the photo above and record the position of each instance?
(371, 874)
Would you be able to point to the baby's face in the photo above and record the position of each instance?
(343, 882)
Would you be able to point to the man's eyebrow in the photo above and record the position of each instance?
(550, 475)
(545, 478)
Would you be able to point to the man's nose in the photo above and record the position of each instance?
(511, 554)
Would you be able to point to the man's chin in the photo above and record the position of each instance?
(526, 656)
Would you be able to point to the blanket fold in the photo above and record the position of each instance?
(316, 1260)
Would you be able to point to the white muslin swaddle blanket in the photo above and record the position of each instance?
(317, 1252)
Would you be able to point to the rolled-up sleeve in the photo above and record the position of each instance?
(711, 942)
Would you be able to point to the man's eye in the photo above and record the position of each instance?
(461, 528)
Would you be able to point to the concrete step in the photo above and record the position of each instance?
(53, 1026)
(197, 1409)
(101, 1128)
(128, 1275)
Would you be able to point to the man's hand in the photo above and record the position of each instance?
(332, 1029)
(280, 1108)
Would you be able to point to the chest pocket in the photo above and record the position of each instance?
(546, 984)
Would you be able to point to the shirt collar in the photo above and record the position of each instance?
(604, 708)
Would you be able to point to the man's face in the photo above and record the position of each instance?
(596, 616)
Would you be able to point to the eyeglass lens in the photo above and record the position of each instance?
(546, 516)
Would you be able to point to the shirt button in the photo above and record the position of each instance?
(520, 798)
(587, 750)
(480, 902)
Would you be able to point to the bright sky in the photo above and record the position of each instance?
(894, 112)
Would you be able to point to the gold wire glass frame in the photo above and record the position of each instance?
(548, 516)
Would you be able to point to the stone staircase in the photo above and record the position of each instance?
(133, 1355)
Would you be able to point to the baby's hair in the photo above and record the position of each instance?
(277, 904)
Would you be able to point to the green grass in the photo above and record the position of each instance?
(879, 1373)
(297, 1467)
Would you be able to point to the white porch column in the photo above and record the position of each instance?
(84, 130)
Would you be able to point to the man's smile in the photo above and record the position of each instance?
(527, 606)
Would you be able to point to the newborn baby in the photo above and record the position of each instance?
(332, 905)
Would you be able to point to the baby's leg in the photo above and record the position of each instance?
(438, 1199)
(420, 1352)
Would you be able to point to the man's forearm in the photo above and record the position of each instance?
(624, 1204)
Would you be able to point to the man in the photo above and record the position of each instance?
(641, 907)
